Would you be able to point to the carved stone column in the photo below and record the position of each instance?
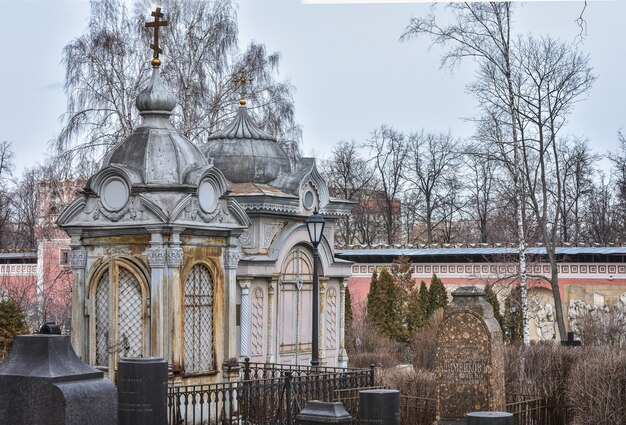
(322, 327)
(172, 332)
(230, 260)
(342, 360)
(80, 311)
(156, 259)
(271, 290)
(244, 318)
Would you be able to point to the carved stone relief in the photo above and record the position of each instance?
(331, 318)
(257, 322)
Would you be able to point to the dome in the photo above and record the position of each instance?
(246, 154)
(156, 150)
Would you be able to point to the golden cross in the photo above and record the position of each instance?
(156, 24)
(243, 80)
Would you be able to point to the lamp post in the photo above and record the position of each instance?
(315, 227)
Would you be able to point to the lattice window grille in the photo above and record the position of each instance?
(130, 329)
(198, 332)
(102, 320)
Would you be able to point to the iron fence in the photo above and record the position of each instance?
(275, 397)
(272, 394)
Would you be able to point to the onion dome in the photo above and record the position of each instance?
(244, 153)
(156, 150)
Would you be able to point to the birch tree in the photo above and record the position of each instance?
(482, 32)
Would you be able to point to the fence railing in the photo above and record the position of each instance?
(274, 394)
(275, 398)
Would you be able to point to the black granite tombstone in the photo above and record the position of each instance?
(489, 418)
(317, 412)
(50, 328)
(571, 342)
(142, 391)
(43, 382)
(379, 407)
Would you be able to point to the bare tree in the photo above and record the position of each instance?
(602, 216)
(349, 177)
(6, 171)
(107, 67)
(578, 165)
(553, 76)
(482, 169)
(433, 161)
(389, 154)
(618, 158)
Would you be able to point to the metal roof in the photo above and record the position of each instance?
(430, 252)
(21, 255)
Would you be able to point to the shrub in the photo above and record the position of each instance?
(424, 342)
(596, 389)
(12, 323)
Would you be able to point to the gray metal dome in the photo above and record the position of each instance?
(246, 154)
(156, 150)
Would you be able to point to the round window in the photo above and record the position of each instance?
(114, 194)
(207, 197)
(309, 199)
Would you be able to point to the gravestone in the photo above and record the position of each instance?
(379, 407)
(142, 391)
(43, 382)
(469, 370)
(318, 412)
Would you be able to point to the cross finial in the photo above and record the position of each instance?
(243, 81)
(156, 24)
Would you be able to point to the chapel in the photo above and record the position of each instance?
(202, 257)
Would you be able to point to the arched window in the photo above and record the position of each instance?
(120, 320)
(198, 313)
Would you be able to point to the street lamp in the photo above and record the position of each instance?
(315, 227)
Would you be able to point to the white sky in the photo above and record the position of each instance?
(350, 71)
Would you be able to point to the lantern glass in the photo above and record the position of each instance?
(315, 226)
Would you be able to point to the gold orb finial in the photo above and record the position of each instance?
(242, 102)
(156, 62)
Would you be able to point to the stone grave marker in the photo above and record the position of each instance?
(142, 391)
(43, 382)
(469, 368)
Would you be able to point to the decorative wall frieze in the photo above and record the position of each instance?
(267, 206)
(245, 239)
(270, 231)
(129, 209)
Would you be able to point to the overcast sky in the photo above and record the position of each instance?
(350, 70)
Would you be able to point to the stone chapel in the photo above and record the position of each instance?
(202, 257)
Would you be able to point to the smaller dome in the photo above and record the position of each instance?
(246, 154)
(156, 151)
